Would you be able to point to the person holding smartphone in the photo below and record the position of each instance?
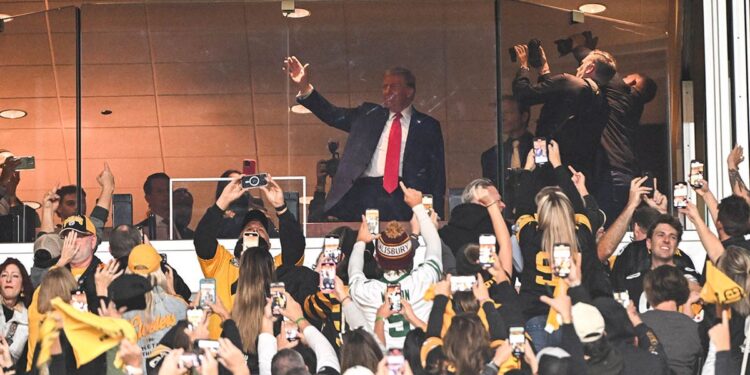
(555, 215)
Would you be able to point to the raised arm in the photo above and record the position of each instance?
(433, 244)
(710, 242)
(735, 180)
(290, 233)
(712, 204)
(208, 228)
(100, 213)
(490, 198)
(49, 205)
(563, 178)
(525, 191)
(616, 231)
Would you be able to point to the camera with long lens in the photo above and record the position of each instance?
(332, 164)
(535, 53)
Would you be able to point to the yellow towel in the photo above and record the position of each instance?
(553, 318)
(719, 288)
(89, 335)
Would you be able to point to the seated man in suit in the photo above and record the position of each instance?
(378, 154)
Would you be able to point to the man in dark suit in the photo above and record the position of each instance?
(515, 149)
(378, 154)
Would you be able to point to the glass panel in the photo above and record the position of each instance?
(633, 142)
(38, 73)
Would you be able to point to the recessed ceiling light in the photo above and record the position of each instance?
(298, 13)
(299, 109)
(12, 114)
(6, 17)
(592, 8)
(106, 112)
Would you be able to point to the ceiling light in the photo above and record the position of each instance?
(6, 17)
(12, 114)
(592, 8)
(298, 13)
(299, 109)
(33, 205)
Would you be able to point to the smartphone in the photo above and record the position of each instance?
(278, 299)
(189, 360)
(561, 261)
(250, 239)
(372, 217)
(486, 249)
(208, 345)
(540, 151)
(291, 332)
(393, 291)
(195, 317)
(462, 283)
(427, 203)
(394, 360)
(207, 292)
(327, 277)
(649, 183)
(26, 163)
(696, 174)
(249, 167)
(78, 301)
(516, 339)
(622, 297)
(331, 249)
(680, 194)
(254, 181)
(163, 259)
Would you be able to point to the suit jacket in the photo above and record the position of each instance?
(423, 159)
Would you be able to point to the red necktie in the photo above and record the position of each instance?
(393, 156)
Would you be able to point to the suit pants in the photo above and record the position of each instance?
(368, 192)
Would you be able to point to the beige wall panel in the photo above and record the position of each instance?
(122, 47)
(196, 17)
(42, 143)
(202, 78)
(110, 143)
(181, 110)
(27, 82)
(198, 46)
(208, 141)
(127, 111)
(42, 113)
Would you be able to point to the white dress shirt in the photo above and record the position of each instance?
(377, 164)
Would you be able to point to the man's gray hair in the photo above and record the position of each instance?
(469, 191)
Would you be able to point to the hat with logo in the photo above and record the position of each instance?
(588, 322)
(129, 291)
(80, 224)
(395, 249)
(144, 259)
(256, 215)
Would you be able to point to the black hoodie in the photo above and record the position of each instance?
(467, 222)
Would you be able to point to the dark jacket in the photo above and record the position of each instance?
(423, 159)
(467, 222)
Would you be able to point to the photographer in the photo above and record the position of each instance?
(574, 111)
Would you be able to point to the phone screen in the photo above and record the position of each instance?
(327, 277)
(540, 151)
(331, 249)
(394, 361)
(516, 339)
(207, 292)
(561, 255)
(250, 239)
(462, 283)
(622, 297)
(486, 249)
(427, 202)
(680, 194)
(278, 299)
(372, 216)
(194, 317)
(696, 173)
(394, 295)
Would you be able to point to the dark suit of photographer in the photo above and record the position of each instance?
(575, 111)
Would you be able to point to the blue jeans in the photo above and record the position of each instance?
(539, 337)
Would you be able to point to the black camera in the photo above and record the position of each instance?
(332, 164)
(535, 53)
(254, 181)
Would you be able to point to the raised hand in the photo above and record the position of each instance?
(297, 73)
(106, 179)
(364, 234)
(579, 181)
(105, 275)
(735, 157)
(522, 54)
(554, 154)
(273, 193)
(69, 250)
(412, 197)
(231, 193)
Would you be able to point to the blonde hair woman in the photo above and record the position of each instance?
(555, 216)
